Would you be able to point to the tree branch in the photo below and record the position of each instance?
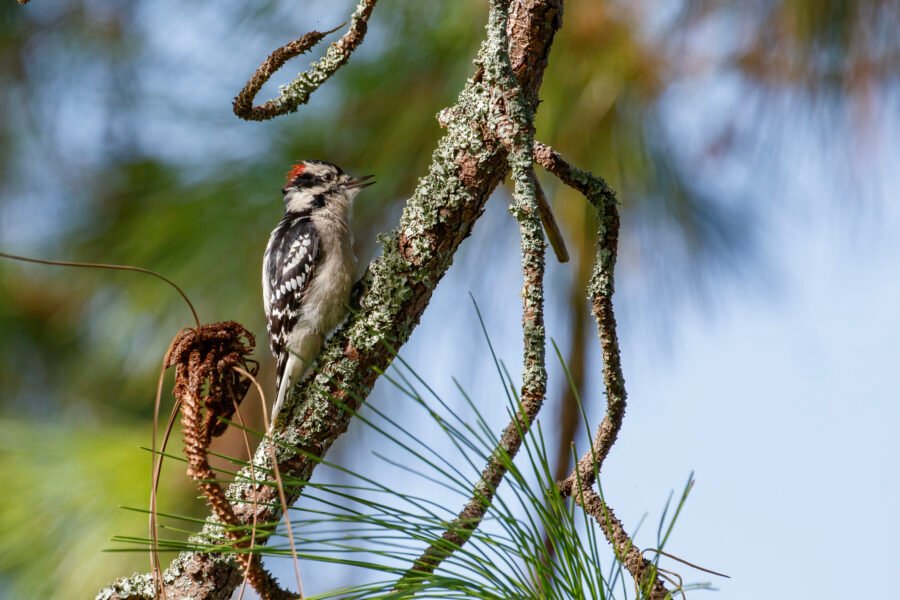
(466, 168)
(643, 571)
(297, 92)
(600, 292)
(516, 131)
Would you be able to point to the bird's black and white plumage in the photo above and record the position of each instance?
(290, 264)
(308, 268)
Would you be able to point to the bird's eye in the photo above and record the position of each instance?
(329, 177)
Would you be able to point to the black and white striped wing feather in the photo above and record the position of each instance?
(289, 264)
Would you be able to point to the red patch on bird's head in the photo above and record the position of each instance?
(295, 172)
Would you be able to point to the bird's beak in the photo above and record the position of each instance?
(359, 182)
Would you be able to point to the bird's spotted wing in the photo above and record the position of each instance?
(289, 263)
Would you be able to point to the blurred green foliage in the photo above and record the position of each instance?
(117, 144)
(59, 505)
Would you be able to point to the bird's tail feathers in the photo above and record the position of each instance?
(293, 371)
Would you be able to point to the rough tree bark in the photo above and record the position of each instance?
(466, 167)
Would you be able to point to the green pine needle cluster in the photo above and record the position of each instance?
(533, 543)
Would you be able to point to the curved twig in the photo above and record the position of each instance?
(209, 388)
(629, 555)
(87, 265)
(297, 93)
(518, 133)
(600, 292)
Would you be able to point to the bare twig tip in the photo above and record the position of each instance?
(330, 31)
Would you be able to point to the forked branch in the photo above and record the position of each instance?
(466, 167)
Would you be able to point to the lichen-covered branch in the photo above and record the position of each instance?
(516, 131)
(600, 292)
(626, 552)
(466, 167)
(297, 92)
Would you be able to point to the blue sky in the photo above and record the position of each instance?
(786, 407)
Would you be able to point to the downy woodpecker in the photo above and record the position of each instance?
(308, 268)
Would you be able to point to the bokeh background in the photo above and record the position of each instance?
(756, 150)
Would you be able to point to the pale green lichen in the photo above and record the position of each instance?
(511, 118)
(134, 587)
(298, 91)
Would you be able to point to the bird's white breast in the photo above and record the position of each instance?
(328, 295)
